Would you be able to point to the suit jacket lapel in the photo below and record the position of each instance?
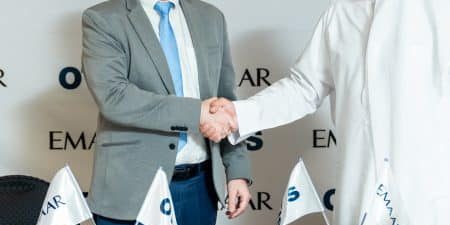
(144, 29)
(194, 22)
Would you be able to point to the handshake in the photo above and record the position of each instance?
(218, 119)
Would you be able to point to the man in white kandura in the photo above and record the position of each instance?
(385, 65)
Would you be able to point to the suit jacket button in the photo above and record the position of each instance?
(172, 146)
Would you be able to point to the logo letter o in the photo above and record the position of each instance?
(327, 199)
(63, 78)
(165, 203)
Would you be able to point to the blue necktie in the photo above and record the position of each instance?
(169, 46)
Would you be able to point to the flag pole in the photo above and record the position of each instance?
(325, 217)
(90, 221)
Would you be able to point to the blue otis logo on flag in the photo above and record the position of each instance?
(293, 194)
(166, 203)
(157, 208)
(165, 208)
(297, 204)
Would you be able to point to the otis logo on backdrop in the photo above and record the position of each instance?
(256, 78)
(327, 199)
(2, 74)
(255, 143)
(63, 140)
(70, 78)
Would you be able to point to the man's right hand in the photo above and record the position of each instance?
(218, 119)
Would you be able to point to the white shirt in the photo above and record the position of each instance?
(195, 149)
(389, 88)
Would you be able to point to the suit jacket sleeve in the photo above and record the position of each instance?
(293, 97)
(235, 158)
(120, 101)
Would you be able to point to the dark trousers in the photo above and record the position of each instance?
(194, 199)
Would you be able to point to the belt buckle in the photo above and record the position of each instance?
(183, 172)
(180, 169)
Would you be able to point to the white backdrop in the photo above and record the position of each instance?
(40, 42)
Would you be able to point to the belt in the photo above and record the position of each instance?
(187, 171)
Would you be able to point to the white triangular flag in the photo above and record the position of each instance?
(300, 197)
(386, 204)
(64, 203)
(158, 206)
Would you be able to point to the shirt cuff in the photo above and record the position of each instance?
(247, 116)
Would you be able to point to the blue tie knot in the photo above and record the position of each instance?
(163, 8)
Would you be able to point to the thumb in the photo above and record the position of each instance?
(232, 201)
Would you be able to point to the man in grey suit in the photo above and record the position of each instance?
(153, 68)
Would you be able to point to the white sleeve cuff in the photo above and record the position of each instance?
(247, 116)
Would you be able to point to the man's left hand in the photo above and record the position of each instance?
(238, 197)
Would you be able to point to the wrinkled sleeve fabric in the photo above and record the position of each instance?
(295, 96)
(235, 157)
(120, 101)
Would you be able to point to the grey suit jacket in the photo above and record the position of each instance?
(140, 116)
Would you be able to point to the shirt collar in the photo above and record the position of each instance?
(151, 3)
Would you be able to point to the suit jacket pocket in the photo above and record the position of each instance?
(121, 143)
(126, 166)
